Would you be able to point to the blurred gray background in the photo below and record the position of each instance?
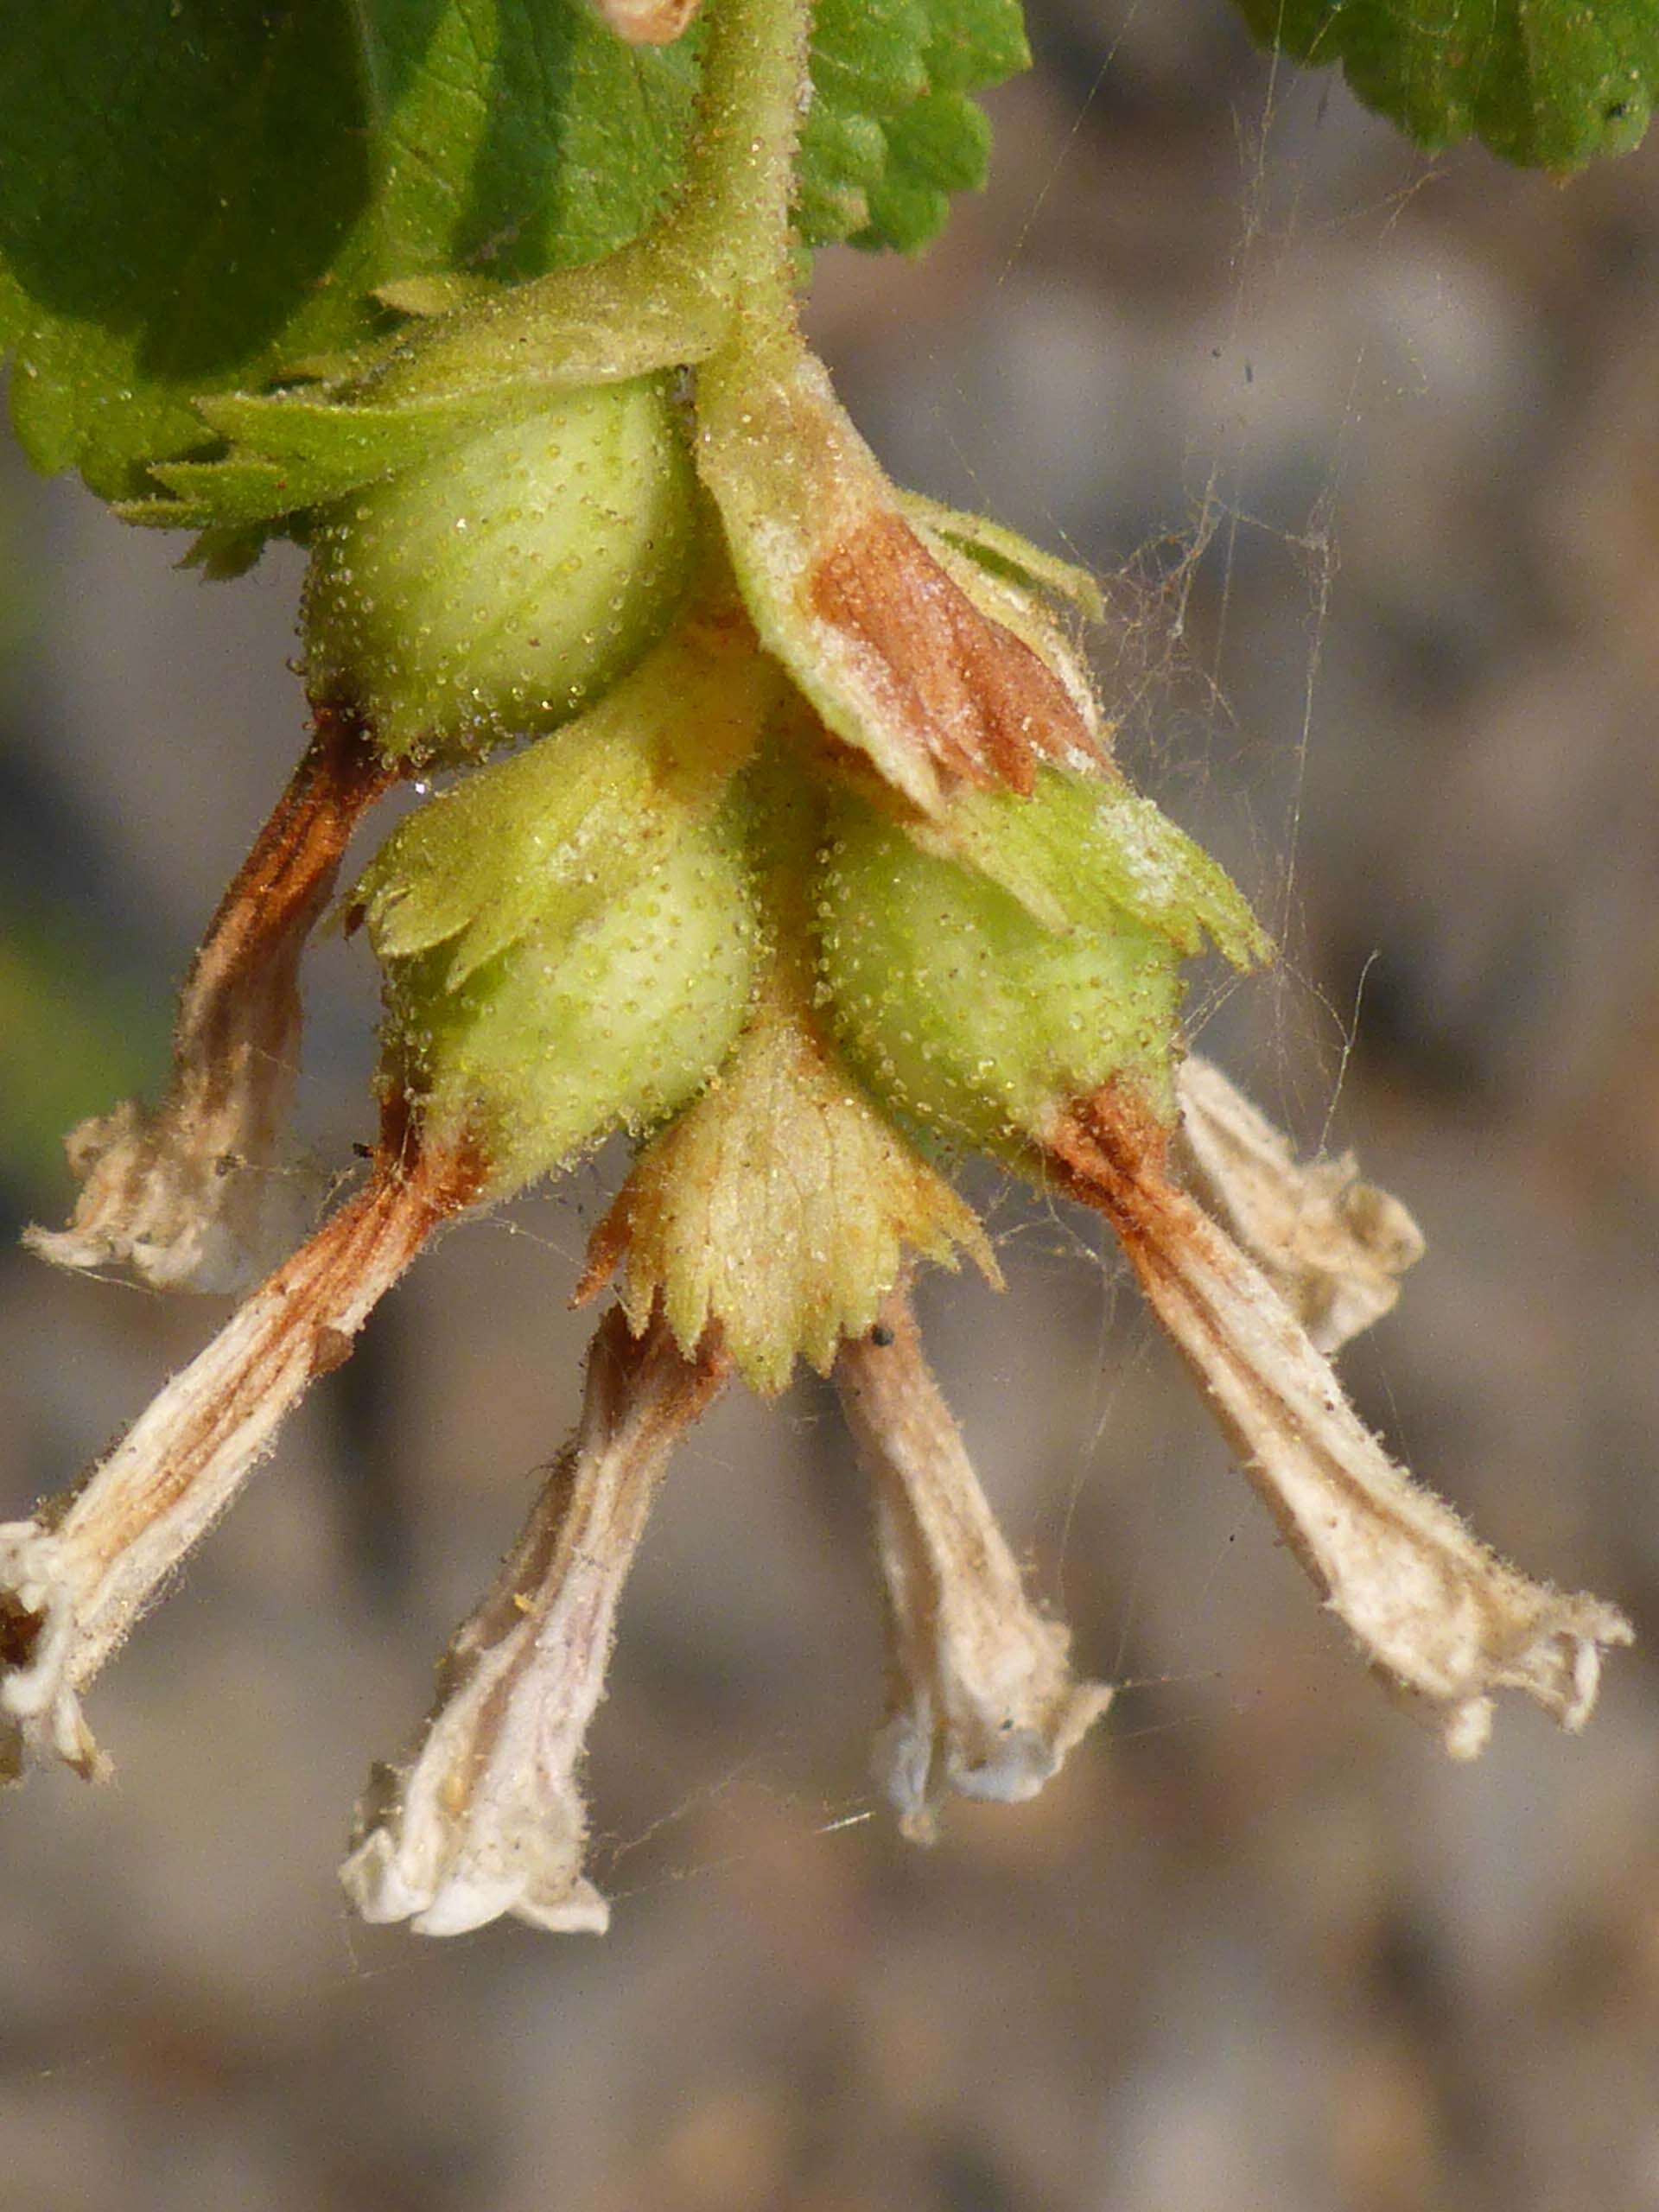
(1370, 441)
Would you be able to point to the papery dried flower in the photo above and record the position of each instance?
(1439, 1616)
(75, 1579)
(208, 1192)
(1333, 1247)
(984, 1700)
(488, 1817)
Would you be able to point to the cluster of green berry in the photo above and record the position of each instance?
(777, 827)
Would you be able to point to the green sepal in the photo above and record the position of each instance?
(225, 551)
(440, 291)
(1084, 852)
(495, 355)
(291, 451)
(570, 1034)
(1005, 554)
(241, 491)
(1550, 84)
(781, 1206)
(545, 840)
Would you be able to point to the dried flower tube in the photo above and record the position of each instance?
(488, 1818)
(1440, 1616)
(204, 1193)
(1333, 1246)
(984, 1701)
(75, 1578)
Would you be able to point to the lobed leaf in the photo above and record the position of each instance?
(204, 196)
(1550, 84)
(891, 134)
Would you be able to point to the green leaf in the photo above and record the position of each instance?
(203, 196)
(195, 194)
(892, 135)
(1552, 84)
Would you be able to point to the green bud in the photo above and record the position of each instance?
(497, 586)
(569, 1033)
(973, 1018)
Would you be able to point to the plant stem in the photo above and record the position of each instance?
(671, 297)
(734, 217)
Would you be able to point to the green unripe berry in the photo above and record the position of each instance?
(965, 1013)
(569, 1034)
(552, 836)
(494, 589)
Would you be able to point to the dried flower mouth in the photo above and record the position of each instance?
(74, 1579)
(487, 1817)
(20, 1630)
(1440, 1617)
(984, 1701)
(205, 1192)
(1333, 1246)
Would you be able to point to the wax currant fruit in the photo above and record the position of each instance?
(777, 1213)
(574, 1029)
(976, 1019)
(543, 840)
(497, 587)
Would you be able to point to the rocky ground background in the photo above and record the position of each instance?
(1373, 440)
